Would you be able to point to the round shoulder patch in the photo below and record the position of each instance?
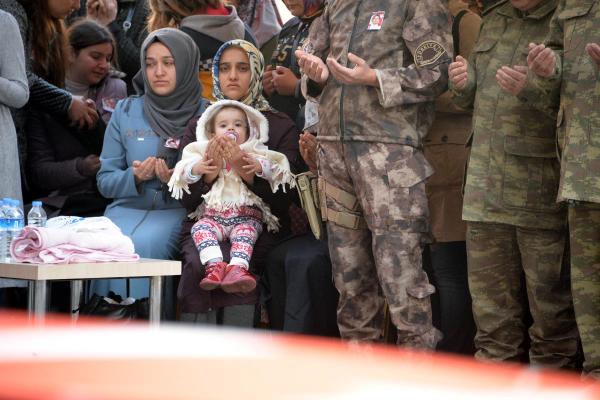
(428, 53)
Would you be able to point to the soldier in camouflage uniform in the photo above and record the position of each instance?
(571, 61)
(377, 95)
(515, 228)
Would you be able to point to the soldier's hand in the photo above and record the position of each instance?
(312, 66)
(512, 80)
(360, 74)
(594, 51)
(458, 72)
(541, 60)
(308, 150)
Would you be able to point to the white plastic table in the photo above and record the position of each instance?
(38, 276)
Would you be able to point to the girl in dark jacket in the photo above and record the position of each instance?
(63, 159)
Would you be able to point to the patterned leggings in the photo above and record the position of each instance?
(241, 226)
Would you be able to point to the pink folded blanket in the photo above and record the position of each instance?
(89, 240)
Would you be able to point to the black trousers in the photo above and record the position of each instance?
(297, 287)
(446, 265)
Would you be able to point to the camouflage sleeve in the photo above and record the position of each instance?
(317, 44)
(543, 93)
(427, 34)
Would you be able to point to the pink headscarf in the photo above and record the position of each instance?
(262, 17)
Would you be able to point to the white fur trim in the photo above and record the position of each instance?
(258, 123)
(219, 197)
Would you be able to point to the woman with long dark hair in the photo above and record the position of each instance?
(41, 26)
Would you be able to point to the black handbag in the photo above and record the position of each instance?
(112, 307)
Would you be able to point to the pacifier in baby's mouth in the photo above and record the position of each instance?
(232, 135)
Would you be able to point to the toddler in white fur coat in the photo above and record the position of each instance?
(230, 210)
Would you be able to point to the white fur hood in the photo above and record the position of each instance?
(258, 128)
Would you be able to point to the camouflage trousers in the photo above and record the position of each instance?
(383, 259)
(584, 232)
(501, 259)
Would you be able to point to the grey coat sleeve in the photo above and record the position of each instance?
(14, 90)
(42, 94)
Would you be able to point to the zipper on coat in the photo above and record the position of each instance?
(145, 215)
(348, 50)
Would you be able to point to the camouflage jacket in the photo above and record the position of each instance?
(575, 24)
(410, 53)
(513, 170)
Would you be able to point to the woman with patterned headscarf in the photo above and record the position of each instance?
(237, 71)
(210, 23)
(141, 148)
(282, 78)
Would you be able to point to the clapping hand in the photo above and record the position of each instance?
(252, 166)
(360, 74)
(593, 50)
(88, 166)
(162, 171)
(458, 72)
(308, 150)
(541, 60)
(82, 112)
(204, 166)
(212, 158)
(267, 81)
(284, 81)
(144, 170)
(231, 151)
(512, 80)
(103, 11)
(312, 66)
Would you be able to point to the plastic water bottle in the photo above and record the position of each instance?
(15, 221)
(3, 227)
(36, 216)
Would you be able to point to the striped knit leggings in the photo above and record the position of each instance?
(241, 226)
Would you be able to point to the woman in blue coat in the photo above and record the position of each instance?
(140, 150)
